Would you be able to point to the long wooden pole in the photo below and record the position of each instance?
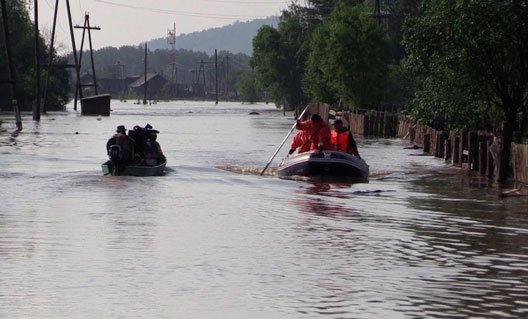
(91, 53)
(36, 106)
(72, 36)
(216, 77)
(50, 61)
(283, 141)
(79, 87)
(145, 96)
(11, 66)
(227, 78)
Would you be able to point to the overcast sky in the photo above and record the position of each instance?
(125, 22)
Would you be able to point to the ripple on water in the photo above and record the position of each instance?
(215, 237)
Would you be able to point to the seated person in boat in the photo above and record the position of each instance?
(320, 138)
(125, 144)
(153, 154)
(300, 142)
(140, 136)
(343, 140)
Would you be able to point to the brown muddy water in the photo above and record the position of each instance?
(212, 239)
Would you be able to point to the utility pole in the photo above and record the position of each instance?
(11, 80)
(216, 77)
(77, 66)
(227, 78)
(87, 17)
(121, 76)
(85, 27)
(145, 96)
(74, 51)
(202, 70)
(50, 61)
(171, 42)
(36, 106)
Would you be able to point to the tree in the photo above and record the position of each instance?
(350, 59)
(471, 58)
(279, 55)
(247, 87)
(22, 35)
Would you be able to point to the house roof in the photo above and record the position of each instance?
(141, 81)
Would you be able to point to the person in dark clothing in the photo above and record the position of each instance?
(139, 135)
(125, 143)
(153, 154)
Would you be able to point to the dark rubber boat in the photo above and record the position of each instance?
(334, 164)
(140, 170)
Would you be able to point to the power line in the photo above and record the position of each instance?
(181, 13)
(58, 23)
(80, 8)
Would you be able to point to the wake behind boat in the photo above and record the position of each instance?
(334, 164)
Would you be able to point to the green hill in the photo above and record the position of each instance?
(234, 38)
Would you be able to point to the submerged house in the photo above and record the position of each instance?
(154, 82)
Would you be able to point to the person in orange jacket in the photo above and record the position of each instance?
(300, 142)
(320, 137)
(343, 140)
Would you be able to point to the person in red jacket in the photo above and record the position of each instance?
(320, 138)
(300, 142)
(343, 139)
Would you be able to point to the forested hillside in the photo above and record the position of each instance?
(234, 38)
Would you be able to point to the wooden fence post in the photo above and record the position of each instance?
(377, 123)
(473, 151)
(381, 123)
(455, 157)
(447, 149)
(483, 157)
(365, 123)
(491, 165)
(427, 143)
(440, 144)
(462, 153)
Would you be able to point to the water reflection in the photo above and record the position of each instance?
(475, 237)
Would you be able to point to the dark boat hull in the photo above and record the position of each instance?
(156, 170)
(324, 164)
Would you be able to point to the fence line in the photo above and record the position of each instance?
(520, 162)
(473, 150)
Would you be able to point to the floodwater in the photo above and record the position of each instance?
(213, 239)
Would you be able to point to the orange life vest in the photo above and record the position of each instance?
(340, 140)
(319, 134)
(301, 142)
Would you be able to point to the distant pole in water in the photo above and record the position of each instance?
(216, 77)
(145, 96)
(227, 78)
(36, 106)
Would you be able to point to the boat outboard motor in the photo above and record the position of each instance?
(115, 153)
(115, 157)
